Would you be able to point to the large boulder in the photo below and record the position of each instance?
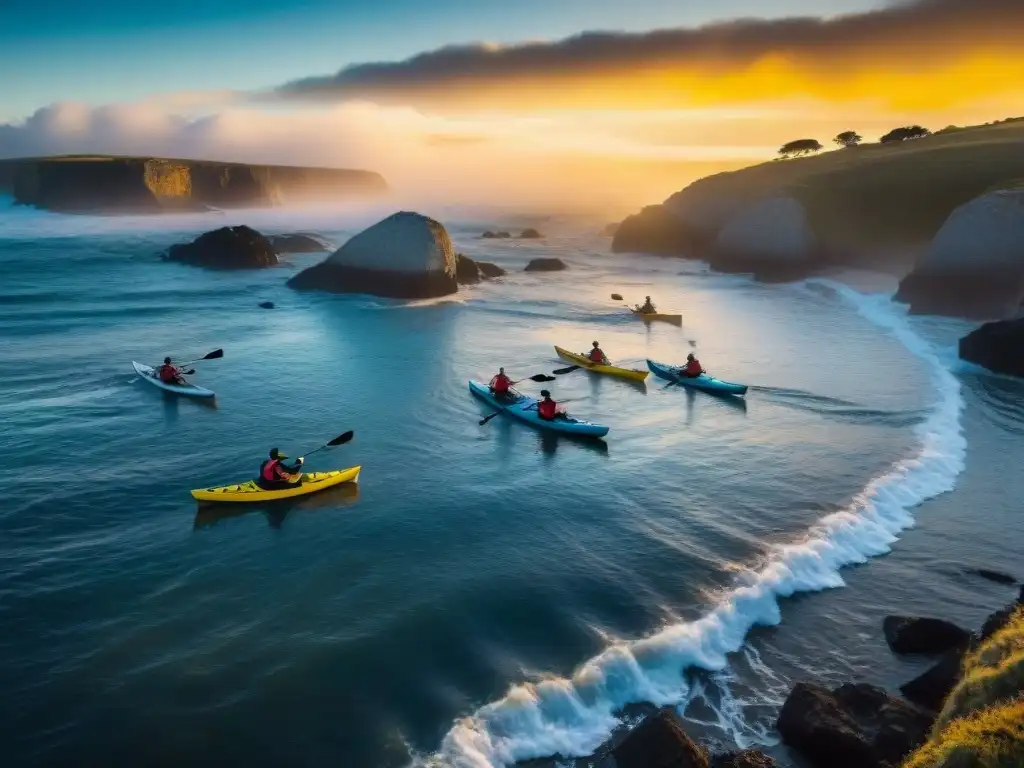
(545, 265)
(226, 248)
(405, 256)
(748, 758)
(854, 726)
(771, 238)
(660, 742)
(298, 242)
(530, 234)
(489, 270)
(912, 634)
(469, 271)
(974, 267)
(502, 235)
(997, 346)
(656, 229)
(931, 687)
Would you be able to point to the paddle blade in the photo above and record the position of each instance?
(342, 439)
(561, 371)
(217, 353)
(540, 377)
(488, 418)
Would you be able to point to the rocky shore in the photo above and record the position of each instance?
(966, 711)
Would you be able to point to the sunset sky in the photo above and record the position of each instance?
(618, 102)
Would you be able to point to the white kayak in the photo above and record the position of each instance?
(148, 373)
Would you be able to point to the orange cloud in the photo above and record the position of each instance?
(928, 54)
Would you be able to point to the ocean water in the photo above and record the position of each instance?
(489, 594)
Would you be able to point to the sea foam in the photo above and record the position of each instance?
(572, 717)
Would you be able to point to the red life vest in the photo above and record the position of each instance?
(693, 368)
(547, 409)
(168, 373)
(501, 383)
(596, 355)
(270, 471)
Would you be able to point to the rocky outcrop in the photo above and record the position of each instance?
(545, 265)
(771, 238)
(974, 267)
(299, 242)
(912, 634)
(660, 742)
(854, 726)
(226, 248)
(931, 687)
(997, 346)
(470, 272)
(530, 234)
(748, 758)
(488, 235)
(657, 230)
(405, 256)
(103, 184)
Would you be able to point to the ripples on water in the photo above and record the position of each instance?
(359, 624)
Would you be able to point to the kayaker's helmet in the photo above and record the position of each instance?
(690, 356)
(596, 345)
(167, 361)
(545, 393)
(276, 454)
(501, 370)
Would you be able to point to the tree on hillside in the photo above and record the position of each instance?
(848, 139)
(905, 133)
(800, 147)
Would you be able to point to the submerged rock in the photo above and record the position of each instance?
(266, 305)
(405, 256)
(226, 248)
(660, 742)
(912, 634)
(298, 242)
(489, 270)
(997, 346)
(997, 576)
(530, 234)
(545, 265)
(974, 267)
(854, 726)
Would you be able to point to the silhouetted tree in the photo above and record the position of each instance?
(848, 139)
(905, 133)
(800, 147)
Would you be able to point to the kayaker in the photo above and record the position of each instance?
(596, 355)
(275, 474)
(693, 368)
(501, 385)
(648, 308)
(547, 408)
(169, 373)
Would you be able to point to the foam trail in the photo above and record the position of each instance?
(572, 717)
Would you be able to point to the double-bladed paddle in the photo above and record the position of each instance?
(538, 377)
(215, 355)
(339, 440)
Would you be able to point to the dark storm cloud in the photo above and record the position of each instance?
(914, 33)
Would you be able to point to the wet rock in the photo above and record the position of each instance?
(616, 297)
(267, 304)
(545, 265)
(226, 248)
(298, 242)
(930, 689)
(489, 270)
(748, 758)
(997, 346)
(530, 234)
(854, 726)
(911, 634)
(488, 235)
(656, 229)
(660, 742)
(405, 256)
(466, 270)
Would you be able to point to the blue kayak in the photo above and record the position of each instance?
(702, 382)
(525, 409)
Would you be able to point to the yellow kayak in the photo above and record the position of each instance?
(649, 317)
(632, 374)
(249, 491)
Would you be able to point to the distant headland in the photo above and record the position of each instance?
(114, 184)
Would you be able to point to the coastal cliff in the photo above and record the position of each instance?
(105, 184)
(874, 206)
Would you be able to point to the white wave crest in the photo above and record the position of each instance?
(572, 717)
